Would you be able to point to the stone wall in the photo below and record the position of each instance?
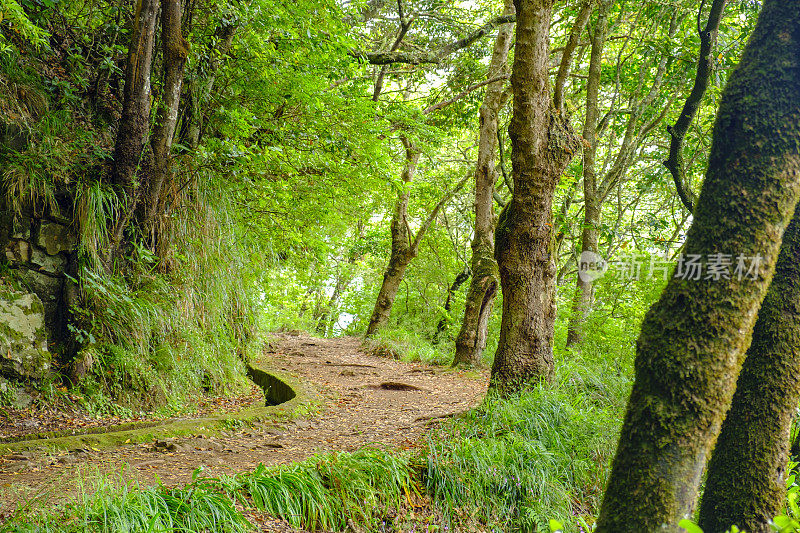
(35, 251)
(38, 249)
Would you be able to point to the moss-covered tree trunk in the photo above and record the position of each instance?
(134, 125)
(746, 482)
(175, 50)
(542, 144)
(471, 338)
(693, 339)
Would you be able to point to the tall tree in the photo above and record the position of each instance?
(584, 292)
(693, 339)
(542, 145)
(471, 338)
(643, 116)
(405, 244)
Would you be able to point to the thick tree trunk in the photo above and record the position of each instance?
(592, 203)
(471, 338)
(176, 50)
(746, 482)
(403, 249)
(693, 339)
(542, 146)
(134, 124)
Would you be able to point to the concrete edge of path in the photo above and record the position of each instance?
(132, 433)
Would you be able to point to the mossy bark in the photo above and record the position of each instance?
(542, 145)
(471, 339)
(693, 339)
(746, 483)
(175, 53)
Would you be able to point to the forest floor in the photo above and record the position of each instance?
(366, 400)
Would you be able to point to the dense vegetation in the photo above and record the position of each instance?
(180, 178)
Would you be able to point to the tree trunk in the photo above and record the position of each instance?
(592, 203)
(471, 338)
(134, 124)
(402, 248)
(693, 339)
(746, 482)
(542, 146)
(135, 121)
(461, 278)
(176, 50)
(199, 92)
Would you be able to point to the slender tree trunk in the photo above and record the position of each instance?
(746, 482)
(176, 50)
(542, 146)
(705, 66)
(134, 124)
(693, 339)
(471, 338)
(402, 248)
(405, 246)
(461, 278)
(592, 203)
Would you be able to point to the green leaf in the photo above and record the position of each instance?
(690, 526)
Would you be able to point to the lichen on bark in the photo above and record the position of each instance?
(693, 339)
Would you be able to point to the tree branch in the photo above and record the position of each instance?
(569, 52)
(420, 58)
(674, 162)
(428, 221)
(465, 92)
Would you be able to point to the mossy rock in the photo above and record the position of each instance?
(23, 337)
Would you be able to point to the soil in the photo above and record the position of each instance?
(366, 400)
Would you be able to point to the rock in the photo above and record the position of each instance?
(46, 263)
(23, 340)
(21, 228)
(55, 238)
(49, 289)
(18, 252)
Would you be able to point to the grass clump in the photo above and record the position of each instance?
(543, 454)
(202, 505)
(407, 346)
(330, 491)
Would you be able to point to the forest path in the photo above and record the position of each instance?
(361, 404)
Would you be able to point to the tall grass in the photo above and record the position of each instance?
(514, 464)
(330, 492)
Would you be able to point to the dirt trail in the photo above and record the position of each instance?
(365, 400)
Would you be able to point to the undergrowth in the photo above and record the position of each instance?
(330, 492)
(513, 464)
(407, 346)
